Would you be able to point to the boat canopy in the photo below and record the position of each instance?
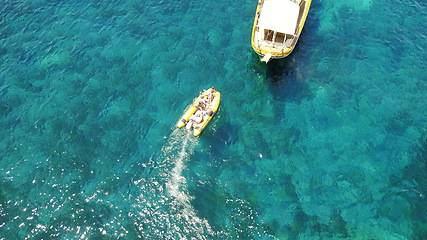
(279, 15)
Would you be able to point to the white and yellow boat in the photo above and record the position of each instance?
(277, 27)
(200, 112)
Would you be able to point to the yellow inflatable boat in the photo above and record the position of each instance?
(200, 112)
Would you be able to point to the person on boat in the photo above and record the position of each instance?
(206, 92)
(195, 119)
(211, 90)
(209, 112)
(201, 105)
(210, 93)
(205, 101)
(210, 96)
(206, 98)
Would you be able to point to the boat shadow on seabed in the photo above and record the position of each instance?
(285, 77)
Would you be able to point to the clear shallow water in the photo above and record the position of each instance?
(329, 143)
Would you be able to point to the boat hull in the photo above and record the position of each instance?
(272, 50)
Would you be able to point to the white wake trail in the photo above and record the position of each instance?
(176, 179)
(164, 202)
(176, 187)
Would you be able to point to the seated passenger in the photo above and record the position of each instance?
(195, 119)
(209, 112)
(201, 105)
(206, 101)
(198, 117)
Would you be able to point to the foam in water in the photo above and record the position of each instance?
(170, 205)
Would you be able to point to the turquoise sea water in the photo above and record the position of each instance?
(329, 143)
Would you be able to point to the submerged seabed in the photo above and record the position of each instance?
(329, 143)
